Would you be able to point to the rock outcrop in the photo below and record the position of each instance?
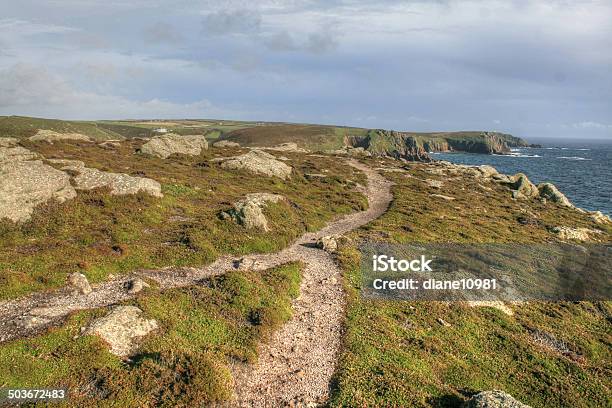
(288, 147)
(164, 146)
(600, 218)
(578, 234)
(487, 171)
(258, 162)
(119, 183)
(51, 136)
(395, 144)
(25, 182)
(551, 193)
(249, 211)
(494, 399)
(521, 187)
(122, 328)
(350, 151)
(225, 143)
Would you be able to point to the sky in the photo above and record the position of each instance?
(530, 68)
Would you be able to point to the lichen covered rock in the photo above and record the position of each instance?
(225, 143)
(578, 234)
(249, 211)
(258, 162)
(26, 182)
(522, 187)
(164, 146)
(550, 192)
(122, 328)
(328, 243)
(51, 136)
(494, 399)
(79, 282)
(119, 183)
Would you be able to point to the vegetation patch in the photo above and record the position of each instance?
(399, 353)
(99, 234)
(202, 330)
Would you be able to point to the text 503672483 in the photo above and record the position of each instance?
(32, 394)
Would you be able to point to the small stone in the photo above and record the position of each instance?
(443, 322)
(136, 285)
(79, 281)
(328, 243)
(244, 264)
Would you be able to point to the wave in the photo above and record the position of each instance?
(565, 148)
(514, 154)
(572, 158)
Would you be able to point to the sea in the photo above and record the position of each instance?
(581, 169)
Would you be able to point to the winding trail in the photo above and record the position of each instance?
(295, 367)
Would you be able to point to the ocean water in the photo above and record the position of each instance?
(582, 170)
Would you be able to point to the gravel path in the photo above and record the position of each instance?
(296, 366)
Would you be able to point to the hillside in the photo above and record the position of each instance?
(406, 145)
(176, 271)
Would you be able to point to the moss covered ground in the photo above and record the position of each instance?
(203, 330)
(398, 353)
(99, 234)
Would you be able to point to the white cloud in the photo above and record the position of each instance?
(591, 125)
(232, 22)
(17, 27)
(161, 32)
(31, 90)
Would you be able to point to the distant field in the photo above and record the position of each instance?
(23, 127)
(314, 137)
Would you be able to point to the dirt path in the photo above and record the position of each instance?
(296, 366)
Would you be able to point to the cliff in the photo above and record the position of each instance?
(394, 144)
(416, 146)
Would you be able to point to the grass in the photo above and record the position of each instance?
(313, 137)
(397, 353)
(186, 362)
(23, 127)
(99, 234)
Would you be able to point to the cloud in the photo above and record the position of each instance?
(162, 33)
(320, 42)
(461, 65)
(591, 125)
(232, 22)
(31, 90)
(18, 27)
(317, 42)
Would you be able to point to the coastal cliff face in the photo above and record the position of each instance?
(472, 142)
(416, 146)
(395, 144)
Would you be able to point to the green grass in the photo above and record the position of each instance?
(185, 362)
(23, 127)
(396, 353)
(313, 137)
(99, 234)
